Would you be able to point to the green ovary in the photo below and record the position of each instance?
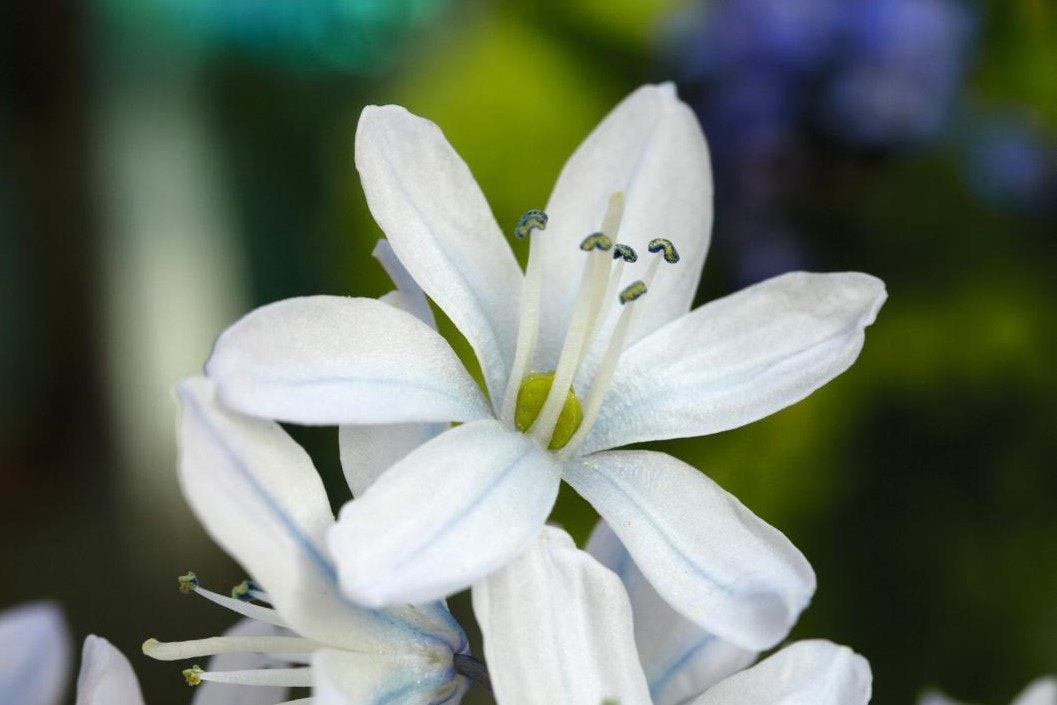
(530, 399)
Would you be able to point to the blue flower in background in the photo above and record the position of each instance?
(776, 80)
(898, 70)
(1012, 165)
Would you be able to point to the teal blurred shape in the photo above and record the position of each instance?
(344, 35)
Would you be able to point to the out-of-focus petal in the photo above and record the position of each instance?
(557, 629)
(650, 148)
(35, 658)
(933, 697)
(334, 360)
(347, 678)
(1039, 692)
(452, 511)
(804, 673)
(680, 659)
(257, 494)
(367, 451)
(705, 553)
(209, 693)
(106, 676)
(438, 222)
(738, 359)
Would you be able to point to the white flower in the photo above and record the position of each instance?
(558, 630)
(640, 368)
(257, 493)
(35, 662)
(1042, 691)
(34, 654)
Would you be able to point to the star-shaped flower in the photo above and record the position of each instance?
(593, 348)
(258, 494)
(560, 629)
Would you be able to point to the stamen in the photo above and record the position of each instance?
(600, 384)
(625, 252)
(177, 650)
(596, 241)
(288, 677)
(189, 583)
(531, 222)
(632, 292)
(588, 302)
(671, 256)
(532, 219)
(248, 590)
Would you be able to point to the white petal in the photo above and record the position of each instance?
(936, 698)
(335, 360)
(651, 148)
(258, 495)
(408, 295)
(439, 224)
(347, 678)
(452, 511)
(557, 629)
(1040, 692)
(738, 359)
(680, 659)
(803, 673)
(366, 451)
(705, 553)
(106, 676)
(209, 693)
(35, 671)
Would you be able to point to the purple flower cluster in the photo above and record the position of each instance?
(776, 80)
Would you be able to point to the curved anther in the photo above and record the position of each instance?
(625, 252)
(188, 582)
(671, 256)
(532, 219)
(632, 292)
(244, 590)
(596, 241)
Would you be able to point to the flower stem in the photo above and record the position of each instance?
(474, 670)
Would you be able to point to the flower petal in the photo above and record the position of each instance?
(557, 629)
(705, 553)
(258, 495)
(334, 360)
(36, 670)
(209, 693)
(1039, 692)
(738, 359)
(812, 672)
(439, 224)
(452, 511)
(367, 451)
(106, 676)
(344, 677)
(408, 295)
(680, 659)
(651, 148)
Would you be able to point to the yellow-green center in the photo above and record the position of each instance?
(530, 399)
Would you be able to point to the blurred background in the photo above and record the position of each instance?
(166, 165)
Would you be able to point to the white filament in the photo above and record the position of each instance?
(246, 609)
(176, 650)
(528, 328)
(288, 677)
